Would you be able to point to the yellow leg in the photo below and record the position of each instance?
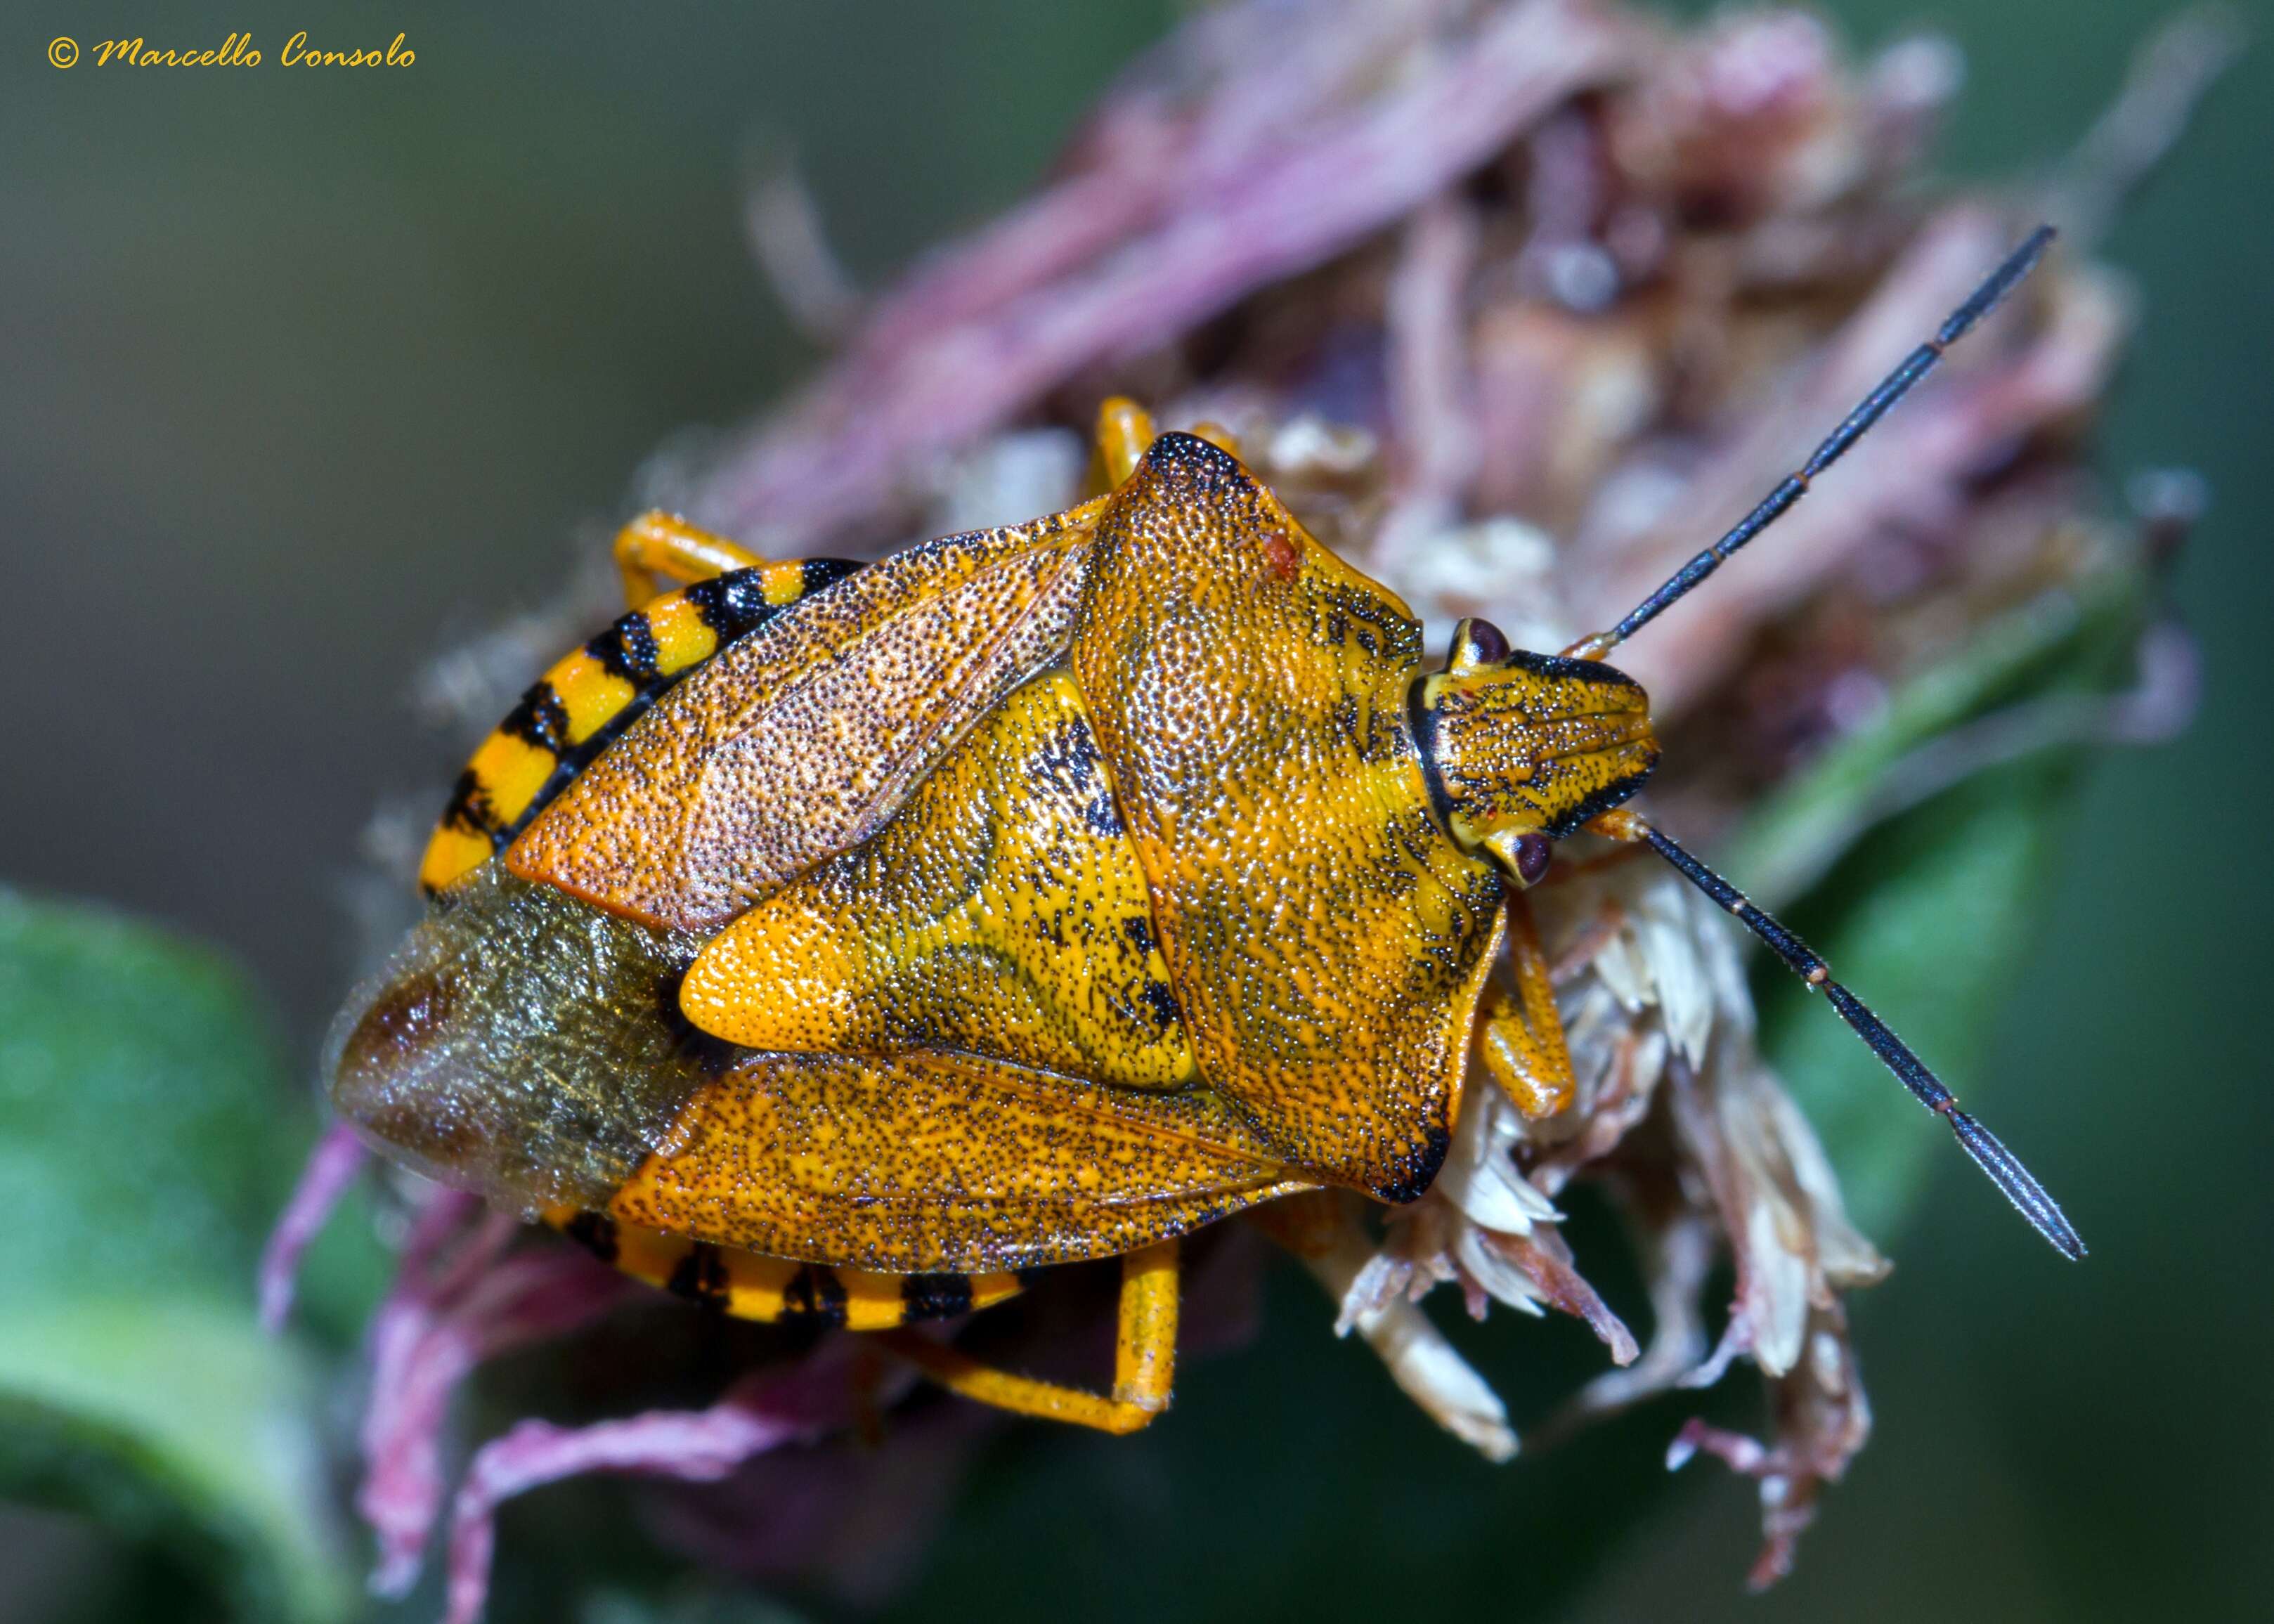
(658, 547)
(1125, 432)
(1144, 1358)
(1221, 437)
(1523, 1042)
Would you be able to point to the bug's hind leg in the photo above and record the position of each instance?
(1522, 1040)
(1144, 1358)
(660, 550)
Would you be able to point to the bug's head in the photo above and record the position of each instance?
(1520, 749)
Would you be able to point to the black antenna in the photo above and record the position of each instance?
(2005, 1169)
(1873, 407)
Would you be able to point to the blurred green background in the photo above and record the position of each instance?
(305, 375)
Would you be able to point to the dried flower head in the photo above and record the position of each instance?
(1511, 302)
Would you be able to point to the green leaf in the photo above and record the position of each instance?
(693, 1601)
(1929, 919)
(1929, 914)
(146, 1136)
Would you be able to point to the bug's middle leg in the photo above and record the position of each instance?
(1144, 1358)
(1522, 1043)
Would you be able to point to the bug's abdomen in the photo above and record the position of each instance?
(750, 1286)
(579, 707)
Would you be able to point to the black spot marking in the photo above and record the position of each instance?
(576, 757)
(1189, 461)
(1157, 997)
(595, 1232)
(627, 650)
(936, 1297)
(820, 573)
(731, 603)
(1066, 763)
(540, 719)
(1139, 932)
(815, 1294)
(1102, 816)
(701, 1278)
(469, 808)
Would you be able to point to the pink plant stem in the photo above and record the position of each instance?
(427, 1339)
(333, 1163)
(758, 1414)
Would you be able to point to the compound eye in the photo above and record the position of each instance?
(1478, 642)
(1523, 858)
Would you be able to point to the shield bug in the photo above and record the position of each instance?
(838, 944)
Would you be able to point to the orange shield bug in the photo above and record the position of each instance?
(837, 944)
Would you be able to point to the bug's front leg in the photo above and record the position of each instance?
(1144, 1358)
(660, 550)
(1522, 1041)
(1126, 433)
